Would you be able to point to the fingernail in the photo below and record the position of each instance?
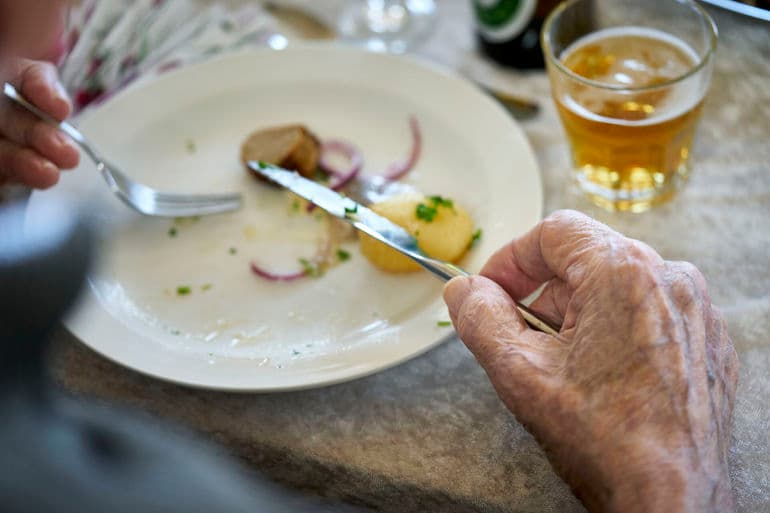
(49, 166)
(61, 91)
(62, 141)
(455, 292)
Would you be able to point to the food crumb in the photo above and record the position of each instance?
(190, 145)
(443, 324)
(206, 286)
(343, 255)
(232, 251)
(250, 232)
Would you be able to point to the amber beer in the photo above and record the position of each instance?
(629, 98)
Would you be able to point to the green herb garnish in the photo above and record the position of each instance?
(190, 145)
(320, 176)
(351, 210)
(206, 286)
(295, 205)
(232, 251)
(429, 212)
(310, 268)
(443, 324)
(185, 220)
(172, 231)
(425, 212)
(476, 237)
(183, 290)
(438, 201)
(343, 255)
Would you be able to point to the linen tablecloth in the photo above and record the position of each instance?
(431, 435)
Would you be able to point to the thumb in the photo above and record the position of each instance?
(518, 360)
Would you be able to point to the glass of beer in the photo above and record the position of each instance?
(628, 78)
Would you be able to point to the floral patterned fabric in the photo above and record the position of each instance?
(111, 43)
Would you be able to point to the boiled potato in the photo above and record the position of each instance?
(443, 230)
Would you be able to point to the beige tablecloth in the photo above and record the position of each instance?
(431, 435)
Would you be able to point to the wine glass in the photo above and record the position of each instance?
(393, 26)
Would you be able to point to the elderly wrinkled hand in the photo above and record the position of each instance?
(632, 403)
(31, 151)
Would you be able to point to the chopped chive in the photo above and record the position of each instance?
(425, 212)
(476, 237)
(443, 324)
(172, 231)
(295, 205)
(183, 290)
(206, 286)
(343, 255)
(351, 210)
(320, 176)
(232, 251)
(438, 201)
(190, 145)
(183, 220)
(310, 268)
(294, 352)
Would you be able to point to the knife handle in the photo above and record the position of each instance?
(447, 271)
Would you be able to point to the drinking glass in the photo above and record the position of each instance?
(393, 26)
(628, 78)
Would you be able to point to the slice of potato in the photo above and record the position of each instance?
(293, 147)
(446, 237)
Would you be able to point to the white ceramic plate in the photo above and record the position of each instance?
(235, 331)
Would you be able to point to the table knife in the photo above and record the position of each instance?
(376, 226)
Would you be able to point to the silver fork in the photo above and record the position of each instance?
(140, 197)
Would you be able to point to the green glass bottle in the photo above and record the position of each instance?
(508, 31)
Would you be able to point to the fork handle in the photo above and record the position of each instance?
(65, 127)
(447, 271)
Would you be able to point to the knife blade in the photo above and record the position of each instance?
(345, 208)
(374, 225)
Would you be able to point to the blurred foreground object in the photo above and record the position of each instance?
(64, 455)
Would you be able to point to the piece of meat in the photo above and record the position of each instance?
(292, 147)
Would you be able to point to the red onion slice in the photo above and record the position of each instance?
(321, 261)
(340, 178)
(271, 276)
(397, 170)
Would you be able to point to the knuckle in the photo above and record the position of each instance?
(479, 318)
(634, 259)
(686, 282)
(560, 220)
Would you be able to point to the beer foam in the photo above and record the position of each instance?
(680, 97)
